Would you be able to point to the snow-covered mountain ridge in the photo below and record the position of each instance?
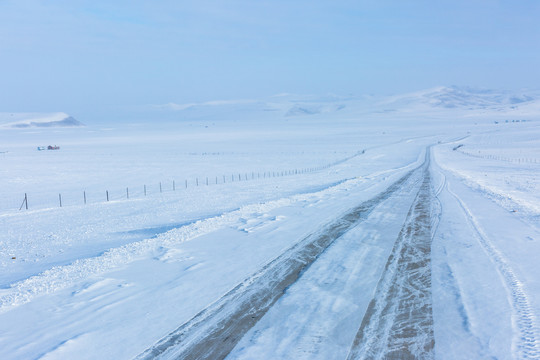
(440, 99)
(435, 102)
(463, 97)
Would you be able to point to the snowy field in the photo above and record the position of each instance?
(110, 279)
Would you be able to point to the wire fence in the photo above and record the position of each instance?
(518, 160)
(43, 200)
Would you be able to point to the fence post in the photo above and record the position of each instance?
(84, 195)
(60, 199)
(186, 183)
(197, 181)
(144, 190)
(107, 192)
(173, 186)
(127, 193)
(25, 202)
(216, 180)
(224, 179)
(207, 181)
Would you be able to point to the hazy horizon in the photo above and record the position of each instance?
(90, 58)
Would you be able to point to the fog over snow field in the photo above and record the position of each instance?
(309, 227)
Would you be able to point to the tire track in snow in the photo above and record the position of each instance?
(527, 341)
(398, 323)
(318, 316)
(213, 333)
(447, 274)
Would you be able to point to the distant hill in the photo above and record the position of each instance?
(37, 120)
(454, 97)
(438, 100)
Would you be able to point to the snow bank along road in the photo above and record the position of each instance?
(351, 250)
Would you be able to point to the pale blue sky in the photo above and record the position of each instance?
(85, 57)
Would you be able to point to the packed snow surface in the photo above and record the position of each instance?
(130, 230)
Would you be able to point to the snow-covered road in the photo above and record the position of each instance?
(398, 323)
(213, 332)
(319, 315)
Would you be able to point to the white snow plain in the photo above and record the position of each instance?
(108, 279)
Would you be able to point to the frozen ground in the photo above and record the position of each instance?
(456, 238)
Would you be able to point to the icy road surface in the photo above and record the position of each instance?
(398, 323)
(216, 330)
